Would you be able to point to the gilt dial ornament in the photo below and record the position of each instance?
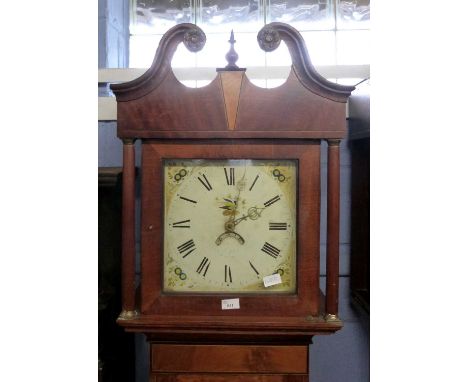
(228, 224)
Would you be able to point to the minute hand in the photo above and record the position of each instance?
(253, 213)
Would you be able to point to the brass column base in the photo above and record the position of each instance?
(128, 314)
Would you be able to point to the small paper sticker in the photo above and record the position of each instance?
(232, 303)
(271, 280)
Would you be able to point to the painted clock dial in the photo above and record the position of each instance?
(228, 224)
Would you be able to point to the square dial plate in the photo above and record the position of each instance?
(228, 224)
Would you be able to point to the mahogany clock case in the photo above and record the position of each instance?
(230, 119)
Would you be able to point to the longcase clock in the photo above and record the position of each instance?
(230, 215)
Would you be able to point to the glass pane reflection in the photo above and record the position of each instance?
(353, 14)
(303, 14)
(224, 15)
(157, 16)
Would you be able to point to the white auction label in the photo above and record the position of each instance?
(232, 303)
(271, 280)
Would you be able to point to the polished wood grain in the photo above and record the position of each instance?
(232, 328)
(128, 227)
(173, 108)
(333, 224)
(248, 111)
(290, 107)
(229, 358)
(303, 303)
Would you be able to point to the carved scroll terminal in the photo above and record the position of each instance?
(194, 39)
(268, 39)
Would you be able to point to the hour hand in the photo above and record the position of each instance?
(229, 232)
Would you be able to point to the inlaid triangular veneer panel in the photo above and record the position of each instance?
(231, 83)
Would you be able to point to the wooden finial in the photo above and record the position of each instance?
(231, 57)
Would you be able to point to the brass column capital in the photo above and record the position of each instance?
(333, 142)
(128, 141)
